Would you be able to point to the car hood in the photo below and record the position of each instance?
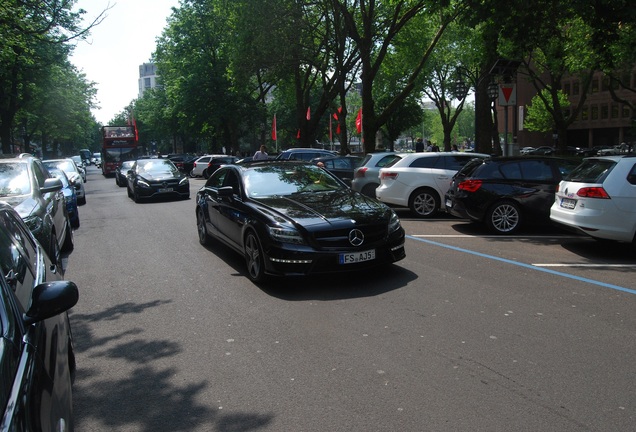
(158, 176)
(23, 204)
(332, 207)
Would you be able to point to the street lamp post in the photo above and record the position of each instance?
(493, 93)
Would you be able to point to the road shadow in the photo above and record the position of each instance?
(332, 286)
(147, 397)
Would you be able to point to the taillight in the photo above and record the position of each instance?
(593, 192)
(194, 165)
(388, 175)
(469, 185)
(360, 172)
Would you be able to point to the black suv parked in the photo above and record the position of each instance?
(36, 348)
(37, 196)
(304, 154)
(507, 192)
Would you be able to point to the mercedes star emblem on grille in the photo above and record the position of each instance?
(356, 237)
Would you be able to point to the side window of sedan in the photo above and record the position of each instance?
(18, 258)
(40, 173)
(216, 180)
(631, 177)
(232, 180)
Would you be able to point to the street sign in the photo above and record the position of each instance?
(507, 94)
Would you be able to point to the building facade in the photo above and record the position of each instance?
(601, 122)
(148, 77)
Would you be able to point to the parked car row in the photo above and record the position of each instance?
(37, 346)
(596, 197)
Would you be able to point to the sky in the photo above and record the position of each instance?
(112, 53)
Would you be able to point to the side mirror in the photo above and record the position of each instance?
(50, 299)
(226, 192)
(51, 185)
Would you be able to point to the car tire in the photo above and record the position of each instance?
(69, 241)
(254, 257)
(504, 217)
(75, 223)
(369, 189)
(54, 250)
(81, 201)
(117, 180)
(136, 196)
(424, 202)
(130, 195)
(192, 174)
(204, 237)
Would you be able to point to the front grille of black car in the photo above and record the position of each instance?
(339, 238)
(165, 183)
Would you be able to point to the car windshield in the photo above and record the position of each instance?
(591, 171)
(155, 166)
(66, 166)
(14, 179)
(273, 180)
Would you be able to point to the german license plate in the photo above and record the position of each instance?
(568, 203)
(165, 190)
(356, 257)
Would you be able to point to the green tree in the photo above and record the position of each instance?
(538, 118)
(33, 37)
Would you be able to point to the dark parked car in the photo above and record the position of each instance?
(507, 192)
(121, 171)
(36, 349)
(183, 162)
(342, 166)
(304, 154)
(37, 196)
(70, 197)
(150, 178)
(292, 218)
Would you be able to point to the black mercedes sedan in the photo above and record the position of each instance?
(295, 218)
(153, 178)
(36, 348)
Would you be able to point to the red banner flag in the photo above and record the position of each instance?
(308, 113)
(298, 134)
(336, 116)
(359, 121)
(274, 128)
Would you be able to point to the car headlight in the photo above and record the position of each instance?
(394, 223)
(286, 235)
(183, 181)
(142, 183)
(34, 223)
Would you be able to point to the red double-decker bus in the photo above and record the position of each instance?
(119, 144)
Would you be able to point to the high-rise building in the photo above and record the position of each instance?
(148, 77)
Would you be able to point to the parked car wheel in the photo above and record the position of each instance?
(69, 242)
(204, 237)
(130, 195)
(254, 258)
(192, 174)
(424, 202)
(504, 217)
(54, 250)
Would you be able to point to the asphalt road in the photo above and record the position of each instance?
(469, 333)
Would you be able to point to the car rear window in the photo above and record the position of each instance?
(388, 161)
(591, 171)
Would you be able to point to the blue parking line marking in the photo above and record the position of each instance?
(528, 266)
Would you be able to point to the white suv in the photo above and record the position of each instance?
(420, 180)
(598, 198)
